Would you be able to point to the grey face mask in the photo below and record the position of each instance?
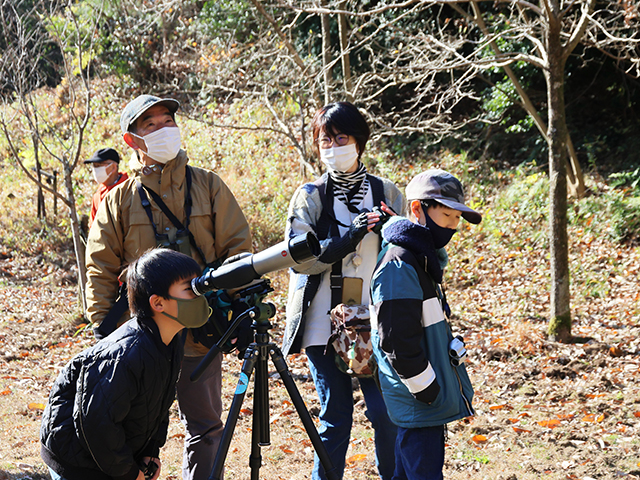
(192, 313)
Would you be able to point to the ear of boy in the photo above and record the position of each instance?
(167, 326)
(418, 212)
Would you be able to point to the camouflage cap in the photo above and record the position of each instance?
(442, 187)
(141, 104)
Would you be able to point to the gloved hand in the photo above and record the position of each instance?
(358, 229)
(429, 394)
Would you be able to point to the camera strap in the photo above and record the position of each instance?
(110, 321)
(143, 190)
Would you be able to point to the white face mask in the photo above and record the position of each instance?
(339, 158)
(100, 174)
(162, 145)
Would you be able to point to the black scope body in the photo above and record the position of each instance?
(242, 269)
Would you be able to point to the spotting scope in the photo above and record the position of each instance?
(242, 269)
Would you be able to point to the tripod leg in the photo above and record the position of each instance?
(260, 430)
(250, 359)
(303, 413)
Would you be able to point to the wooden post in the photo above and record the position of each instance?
(55, 189)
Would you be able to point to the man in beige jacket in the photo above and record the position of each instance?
(124, 229)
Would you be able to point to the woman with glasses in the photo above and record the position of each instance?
(338, 209)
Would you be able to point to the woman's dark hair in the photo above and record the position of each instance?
(341, 117)
(153, 273)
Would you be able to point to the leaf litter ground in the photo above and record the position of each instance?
(544, 410)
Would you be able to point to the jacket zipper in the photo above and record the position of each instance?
(466, 401)
(84, 435)
(440, 295)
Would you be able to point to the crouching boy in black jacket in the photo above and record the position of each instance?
(108, 410)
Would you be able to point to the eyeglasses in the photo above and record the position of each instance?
(341, 140)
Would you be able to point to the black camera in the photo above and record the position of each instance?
(384, 216)
(148, 469)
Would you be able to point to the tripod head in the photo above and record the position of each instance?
(253, 296)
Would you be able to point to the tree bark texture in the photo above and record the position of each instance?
(560, 311)
(78, 245)
(326, 56)
(344, 54)
(574, 172)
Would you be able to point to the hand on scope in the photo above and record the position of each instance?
(150, 468)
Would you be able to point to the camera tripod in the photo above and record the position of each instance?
(255, 358)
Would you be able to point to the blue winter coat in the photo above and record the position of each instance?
(410, 334)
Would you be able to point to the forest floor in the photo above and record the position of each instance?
(544, 410)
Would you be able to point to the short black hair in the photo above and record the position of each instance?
(153, 273)
(426, 204)
(341, 117)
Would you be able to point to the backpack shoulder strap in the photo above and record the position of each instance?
(327, 224)
(377, 189)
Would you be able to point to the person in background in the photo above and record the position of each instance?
(108, 411)
(337, 208)
(131, 220)
(105, 163)
(421, 367)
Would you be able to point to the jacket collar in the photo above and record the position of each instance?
(173, 170)
(416, 238)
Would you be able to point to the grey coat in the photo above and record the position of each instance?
(305, 216)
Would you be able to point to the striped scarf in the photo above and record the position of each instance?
(343, 182)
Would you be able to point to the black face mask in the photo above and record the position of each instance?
(441, 236)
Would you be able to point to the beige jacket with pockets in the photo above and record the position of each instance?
(121, 231)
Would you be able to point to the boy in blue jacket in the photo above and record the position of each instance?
(108, 411)
(423, 384)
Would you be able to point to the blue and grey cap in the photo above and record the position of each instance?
(444, 188)
(141, 104)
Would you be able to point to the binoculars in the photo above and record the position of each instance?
(457, 351)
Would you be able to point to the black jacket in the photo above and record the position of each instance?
(109, 407)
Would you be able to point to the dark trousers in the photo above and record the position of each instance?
(419, 453)
(335, 392)
(200, 411)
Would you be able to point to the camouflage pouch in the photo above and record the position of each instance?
(351, 340)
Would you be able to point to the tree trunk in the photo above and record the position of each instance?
(344, 55)
(42, 212)
(557, 135)
(326, 55)
(78, 245)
